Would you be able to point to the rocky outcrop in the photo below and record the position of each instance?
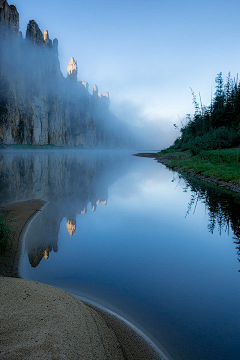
(72, 69)
(85, 84)
(9, 17)
(46, 39)
(33, 33)
(95, 90)
(37, 104)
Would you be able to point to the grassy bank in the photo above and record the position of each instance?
(218, 165)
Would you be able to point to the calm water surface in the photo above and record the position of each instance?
(159, 249)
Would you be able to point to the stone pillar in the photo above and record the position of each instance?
(46, 39)
(72, 69)
(33, 32)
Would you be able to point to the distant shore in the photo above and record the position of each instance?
(36, 147)
(46, 322)
(184, 162)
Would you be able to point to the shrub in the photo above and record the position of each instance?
(220, 138)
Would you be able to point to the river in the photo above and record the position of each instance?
(160, 249)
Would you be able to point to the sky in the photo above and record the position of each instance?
(145, 53)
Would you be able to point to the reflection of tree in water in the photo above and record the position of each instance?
(223, 207)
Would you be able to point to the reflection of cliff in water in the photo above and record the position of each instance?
(70, 181)
(223, 207)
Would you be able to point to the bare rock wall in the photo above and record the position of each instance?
(37, 104)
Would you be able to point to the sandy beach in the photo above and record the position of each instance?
(39, 321)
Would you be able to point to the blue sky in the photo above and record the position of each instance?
(146, 53)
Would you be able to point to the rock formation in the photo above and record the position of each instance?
(9, 17)
(72, 69)
(37, 104)
(46, 39)
(85, 84)
(33, 33)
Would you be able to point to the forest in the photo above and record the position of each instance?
(216, 126)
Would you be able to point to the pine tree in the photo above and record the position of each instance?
(219, 93)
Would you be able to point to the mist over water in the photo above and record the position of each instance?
(155, 132)
(157, 248)
(38, 105)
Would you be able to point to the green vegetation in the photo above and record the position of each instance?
(210, 140)
(6, 232)
(220, 164)
(216, 126)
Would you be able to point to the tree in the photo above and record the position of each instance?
(219, 93)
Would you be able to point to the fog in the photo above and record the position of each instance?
(38, 105)
(155, 133)
(33, 90)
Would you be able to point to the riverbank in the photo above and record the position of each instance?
(19, 215)
(41, 321)
(220, 167)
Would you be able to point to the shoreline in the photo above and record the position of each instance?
(166, 160)
(21, 213)
(101, 336)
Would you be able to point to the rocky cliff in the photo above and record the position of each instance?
(37, 104)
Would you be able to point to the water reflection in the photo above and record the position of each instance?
(71, 226)
(68, 180)
(116, 231)
(72, 180)
(222, 206)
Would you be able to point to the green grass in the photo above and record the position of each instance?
(172, 151)
(227, 156)
(223, 164)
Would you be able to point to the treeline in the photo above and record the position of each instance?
(216, 126)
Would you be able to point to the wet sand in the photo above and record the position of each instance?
(43, 322)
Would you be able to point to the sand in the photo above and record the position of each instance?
(43, 322)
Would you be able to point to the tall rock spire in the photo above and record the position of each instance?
(33, 32)
(9, 16)
(72, 69)
(46, 39)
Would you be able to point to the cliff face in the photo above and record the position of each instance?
(37, 104)
(9, 16)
